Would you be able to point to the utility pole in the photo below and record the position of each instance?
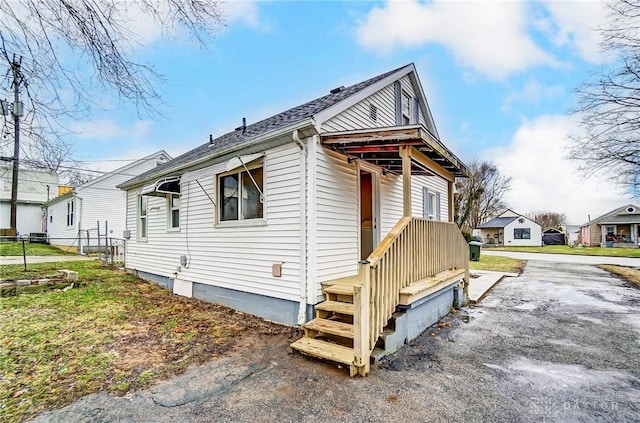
(16, 111)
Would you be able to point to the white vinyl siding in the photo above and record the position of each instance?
(337, 217)
(358, 115)
(57, 230)
(238, 257)
(391, 198)
(99, 201)
(436, 186)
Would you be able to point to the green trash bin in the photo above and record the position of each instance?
(474, 250)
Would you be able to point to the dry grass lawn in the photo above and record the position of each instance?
(110, 332)
(498, 264)
(630, 274)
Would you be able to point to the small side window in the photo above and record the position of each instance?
(70, 212)
(173, 208)
(142, 217)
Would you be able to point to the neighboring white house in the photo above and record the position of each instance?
(72, 219)
(511, 228)
(35, 187)
(257, 218)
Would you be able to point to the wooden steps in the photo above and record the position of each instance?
(325, 350)
(339, 289)
(331, 327)
(336, 307)
(330, 336)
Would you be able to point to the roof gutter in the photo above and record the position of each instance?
(252, 142)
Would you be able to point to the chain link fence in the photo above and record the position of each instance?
(89, 243)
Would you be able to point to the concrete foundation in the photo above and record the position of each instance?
(411, 321)
(275, 309)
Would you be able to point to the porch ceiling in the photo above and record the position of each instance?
(381, 146)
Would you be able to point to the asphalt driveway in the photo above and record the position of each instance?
(559, 343)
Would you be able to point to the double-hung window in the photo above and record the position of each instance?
(173, 208)
(70, 212)
(240, 194)
(430, 204)
(521, 233)
(142, 216)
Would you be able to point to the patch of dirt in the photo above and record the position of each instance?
(183, 332)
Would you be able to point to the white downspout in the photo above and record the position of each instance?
(302, 311)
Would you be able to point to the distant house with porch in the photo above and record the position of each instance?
(72, 218)
(339, 208)
(618, 228)
(511, 228)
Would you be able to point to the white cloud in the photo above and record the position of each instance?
(147, 30)
(533, 92)
(490, 37)
(574, 26)
(543, 179)
(241, 11)
(105, 130)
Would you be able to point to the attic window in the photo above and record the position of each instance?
(373, 112)
(406, 108)
(631, 209)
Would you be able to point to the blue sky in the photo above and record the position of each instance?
(499, 77)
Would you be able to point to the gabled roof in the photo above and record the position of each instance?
(120, 170)
(295, 118)
(498, 222)
(619, 215)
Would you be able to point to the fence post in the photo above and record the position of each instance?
(98, 226)
(24, 255)
(106, 242)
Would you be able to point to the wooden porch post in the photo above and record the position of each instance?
(450, 187)
(406, 180)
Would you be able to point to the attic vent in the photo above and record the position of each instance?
(373, 112)
(337, 90)
(631, 209)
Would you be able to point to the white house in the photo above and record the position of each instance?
(72, 219)
(35, 187)
(264, 218)
(511, 228)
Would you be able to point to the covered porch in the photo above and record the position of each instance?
(416, 261)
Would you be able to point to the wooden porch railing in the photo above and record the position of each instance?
(414, 249)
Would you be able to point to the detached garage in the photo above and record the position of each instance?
(511, 228)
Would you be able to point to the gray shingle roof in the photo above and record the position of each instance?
(281, 120)
(498, 222)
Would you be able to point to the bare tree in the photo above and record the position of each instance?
(548, 219)
(480, 196)
(73, 52)
(609, 105)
